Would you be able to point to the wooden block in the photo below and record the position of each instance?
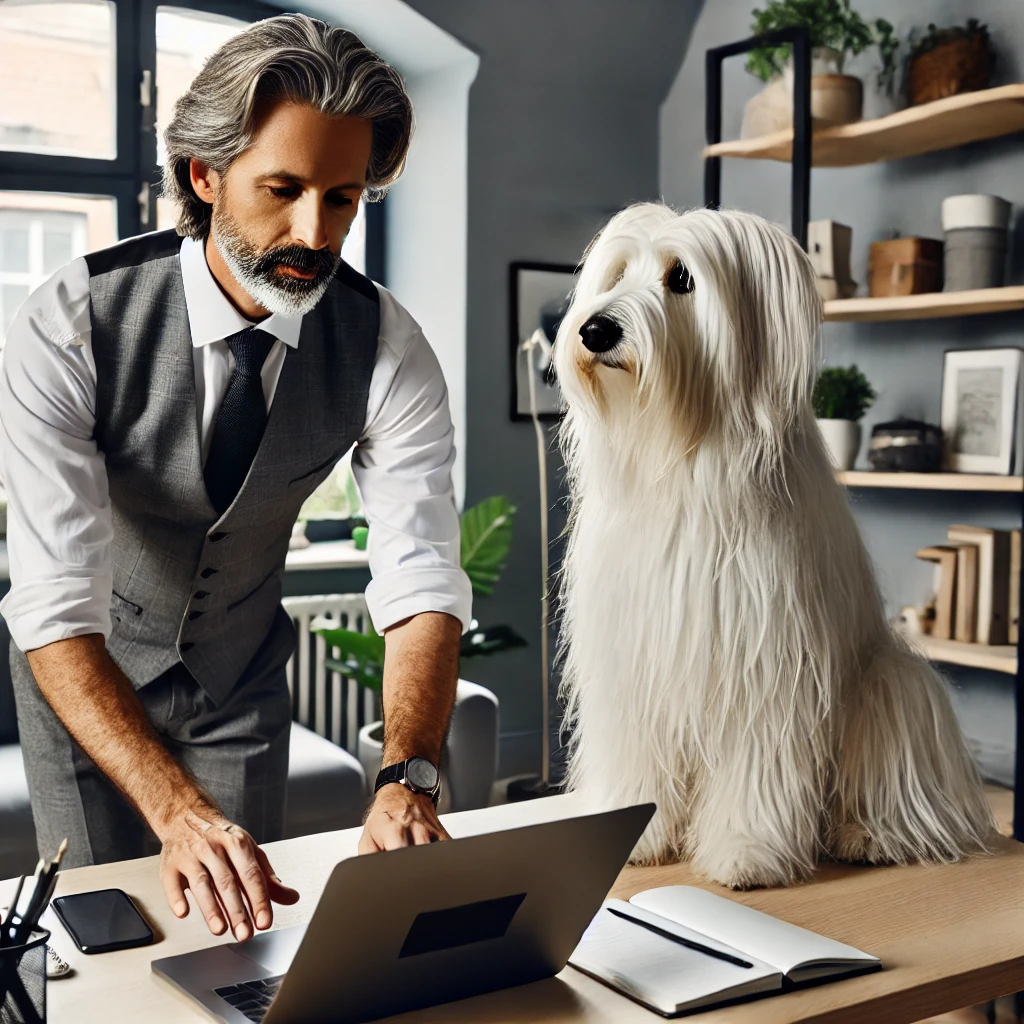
(993, 579)
(965, 616)
(905, 266)
(945, 557)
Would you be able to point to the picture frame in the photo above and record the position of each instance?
(539, 294)
(981, 409)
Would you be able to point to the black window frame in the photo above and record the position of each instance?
(132, 177)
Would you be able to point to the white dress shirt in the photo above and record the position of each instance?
(59, 521)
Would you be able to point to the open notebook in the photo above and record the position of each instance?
(680, 948)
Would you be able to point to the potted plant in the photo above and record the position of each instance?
(334, 509)
(949, 61)
(841, 396)
(486, 536)
(836, 32)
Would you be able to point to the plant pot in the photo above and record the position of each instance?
(842, 441)
(835, 98)
(952, 67)
(370, 750)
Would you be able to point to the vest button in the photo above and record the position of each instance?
(219, 535)
(200, 594)
(192, 616)
(187, 646)
(207, 573)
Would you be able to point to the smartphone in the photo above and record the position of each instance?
(102, 921)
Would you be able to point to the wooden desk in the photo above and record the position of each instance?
(948, 936)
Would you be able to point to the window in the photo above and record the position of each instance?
(41, 232)
(57, 78)
(85, 86)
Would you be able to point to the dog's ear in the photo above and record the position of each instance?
(779, 321)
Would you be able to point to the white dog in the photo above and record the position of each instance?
(725, 649)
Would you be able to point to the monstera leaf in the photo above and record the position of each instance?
(486, 538)
(362, 656)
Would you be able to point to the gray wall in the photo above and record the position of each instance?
(903, 360)
(563, 132)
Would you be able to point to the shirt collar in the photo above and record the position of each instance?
(211, 316)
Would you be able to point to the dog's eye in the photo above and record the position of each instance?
(678, 279)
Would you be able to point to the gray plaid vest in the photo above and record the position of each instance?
(188, 585)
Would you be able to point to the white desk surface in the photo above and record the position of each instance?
(948, 936)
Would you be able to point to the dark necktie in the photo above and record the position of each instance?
(241, 420)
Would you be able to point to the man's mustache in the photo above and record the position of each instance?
(322, 261)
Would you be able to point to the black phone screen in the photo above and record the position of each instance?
(102, 921)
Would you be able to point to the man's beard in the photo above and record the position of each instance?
(257, 271)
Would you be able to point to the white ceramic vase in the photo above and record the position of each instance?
(842, 441)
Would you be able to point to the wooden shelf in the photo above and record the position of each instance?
(931, 481)
(952, 652)
(928, 306)
(946, 123)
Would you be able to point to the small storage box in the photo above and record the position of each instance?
(905, 266)
(905, 446)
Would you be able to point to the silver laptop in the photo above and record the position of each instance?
(420, 926)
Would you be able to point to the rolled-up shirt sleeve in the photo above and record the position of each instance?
(403, 469)
(59, 523)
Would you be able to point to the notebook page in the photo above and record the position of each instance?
(661, 973)
(783, 945)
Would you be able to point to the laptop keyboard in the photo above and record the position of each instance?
(251, 997)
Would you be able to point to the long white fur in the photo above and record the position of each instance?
(724, 645)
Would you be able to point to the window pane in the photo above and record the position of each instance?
(11, 297)
(57, 248)
(57, 77)
(14, 252)
(50, 229)
(184, 39)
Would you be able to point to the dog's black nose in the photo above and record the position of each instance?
(600, 333)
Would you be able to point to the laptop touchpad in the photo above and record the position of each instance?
(272, 950)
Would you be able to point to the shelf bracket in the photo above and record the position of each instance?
(799, 38)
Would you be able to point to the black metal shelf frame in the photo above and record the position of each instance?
(799, 38)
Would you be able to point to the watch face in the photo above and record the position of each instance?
(421, 773)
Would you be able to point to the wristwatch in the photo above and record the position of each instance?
(416, 774)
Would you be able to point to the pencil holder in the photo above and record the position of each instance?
(23, 981)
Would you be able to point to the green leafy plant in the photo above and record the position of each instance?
(842, 393)
(831, 24)
(486, 540)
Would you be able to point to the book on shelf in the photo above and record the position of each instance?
(1014, 613)
(993, 579)
(965, 615)
(945, 557)
(678, 948)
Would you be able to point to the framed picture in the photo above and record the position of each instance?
(539, 295)
(980, 409)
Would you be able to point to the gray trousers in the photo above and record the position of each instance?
(238, 751)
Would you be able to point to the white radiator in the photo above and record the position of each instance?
(327, 702)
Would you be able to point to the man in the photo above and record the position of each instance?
(166, 407)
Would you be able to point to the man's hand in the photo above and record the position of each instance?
(229, 875)
(400, 817)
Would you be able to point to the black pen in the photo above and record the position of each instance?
(689, 943)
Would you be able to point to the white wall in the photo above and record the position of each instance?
(425, 248)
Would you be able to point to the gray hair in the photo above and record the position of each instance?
(294, 58)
